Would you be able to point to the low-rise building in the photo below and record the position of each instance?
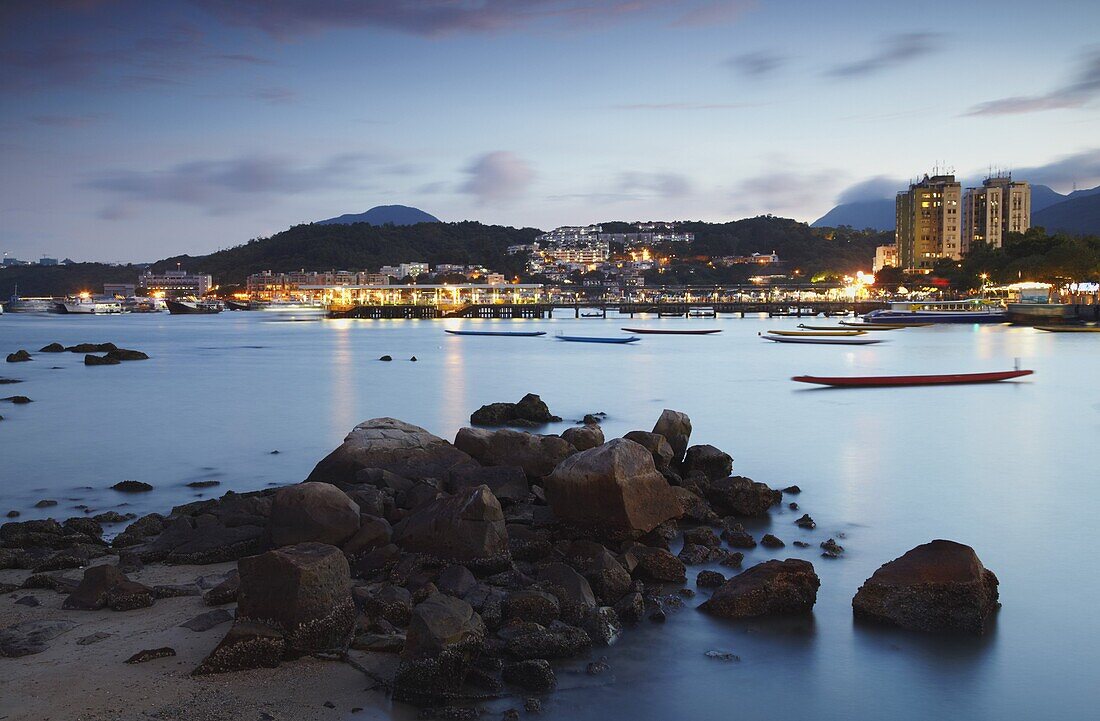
(174, 283)
(885, 255)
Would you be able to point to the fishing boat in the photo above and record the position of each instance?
(884, 326)
(184, 306)
(596, 339)
(670, 331)
(1069, 328)
(84, 305)
(838, 328)
(17, 304)
(972, 310)
(819, 333)
(517, 333)
(819, 340)
(922, 380)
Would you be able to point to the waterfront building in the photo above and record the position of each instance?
(267, 285)
(125, 290)
(47, 261)
(929, 222)
(405, 270)
(173, 283)
(885, 255)
(754, 259)
(1000, 206)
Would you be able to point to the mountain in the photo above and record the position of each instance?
(383, 215)
(1078, 215)
(877, 214)
(1043, 196)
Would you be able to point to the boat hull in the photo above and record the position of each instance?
(818, 333)
(655, 331)
(922, 380)
(1069, 328)
(175, 307)
(820, 340)
(890, 317)
(505, 333)
(589, 339)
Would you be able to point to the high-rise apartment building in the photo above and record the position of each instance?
(929, 222)
(1000, 206)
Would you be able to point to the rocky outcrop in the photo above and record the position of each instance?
(676, 428)
(445, 634)
(317, 512)
(769, 588)
(740, 496)
(508, 483)
(613, 489)
(657, 445)
(106, 586)
(584, 437)
(392, 445)
(940, 586)
(203, 539)
(100, 360)
(536, 455)
(529, 411)
(19, 356)
(126, 354)
(708, 460)
(52, 348)
(465, 528)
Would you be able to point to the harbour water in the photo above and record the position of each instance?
(1011, 469)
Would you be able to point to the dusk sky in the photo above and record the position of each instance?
(134, 130)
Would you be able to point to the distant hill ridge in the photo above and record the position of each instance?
(383, 215)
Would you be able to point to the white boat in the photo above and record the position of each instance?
(294, 305)
(90, 306)
(820, 339)
(16, 304)
(971, 310)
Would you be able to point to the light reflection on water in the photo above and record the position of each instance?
(1009, 468)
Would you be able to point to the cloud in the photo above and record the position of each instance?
(875, 188)
(433, 18)
(1084, 87)
(497, 176)
(896, 50)
(276, 96)
(225, 186)
(243, 58)
(665, 185)
(758, 64)
(1082, 168)
(66, 121)
(783, 191)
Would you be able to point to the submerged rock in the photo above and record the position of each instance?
(52, 348)
(19, 356)
(530, 410)
(132, 487)
(97, 360)
(769, 588)
(939, 586)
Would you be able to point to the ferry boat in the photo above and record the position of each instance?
(190, 306)
(83, 305)
(971, 310)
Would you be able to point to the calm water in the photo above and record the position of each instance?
(1011, 469)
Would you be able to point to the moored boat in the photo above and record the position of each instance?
(972, 310)
(90, 306)
(182, 306)
(1069, 328)
(17, 304)
(819, 333)
(517, 333)
(671, 331)
(820, 340)
(596, 339)
(884, 326)
(912, 380)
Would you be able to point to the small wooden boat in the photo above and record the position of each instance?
(820, 340)
(517, 333)
(596, 339)
(670, 331)
(1069, 328)
(592, 315)
(821, 333)
(925, 380)
(884, 326)
(840, 328)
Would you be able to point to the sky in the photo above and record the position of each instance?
(133, 130)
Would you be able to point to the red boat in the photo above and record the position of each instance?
(880, 381)
(669, 331)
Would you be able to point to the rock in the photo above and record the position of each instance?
(708, 460)
(45, 503)
(831, 549)
(247, 645)
(770, 541)
(387, 601)
(532, 705)
(203, 484)
(17, 400)
(374, 532)
(792, 489)
(702, 536)
(111, 517)
(392, 445)
(312, 512)
(801, 544)
(204, 539)
(172, 590)
(606, 575)
(19, 356)
(302, 591)
(558, 640)
(208, 620)
(379, 642)
(740, 496)
(531, 606)
(132, 487)
(736, 535)
(100, 360)
(29, 601)
(676, 428)
(631, 607)
(386, 358)
(12, 514)
(709, 579)
(939, 586)
(602, 625)
(91, 348)
(656, 564)
(52, 348)
(508, 483)
(793, 506)
(584, 437)
(723, 655)
(456, 580)
(695, 508)
(151, 654)
(30, 637)
(92, 638)
(769, 588)
(657, 445)
(612, 490)
(806, 522)
(125, 354)
(572, 590)
(444, 635)
(533, 675)
(80, 524)
(530, 410)
(105, 585)
(536, 455)
(130, 595)
(465, 528)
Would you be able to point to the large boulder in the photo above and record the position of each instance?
(317, 512)
(203, 539)
(536, 455)
(940, 586)
(444, 635)
(708, 460)
(766, 589)
(392, 445)
(301, 591)
(466, 528)
(657, 445)
(676, 428)
(740, 496)
(530, 411)
(106, 586)
(508, 483)
(613, 489)
(584, 437)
